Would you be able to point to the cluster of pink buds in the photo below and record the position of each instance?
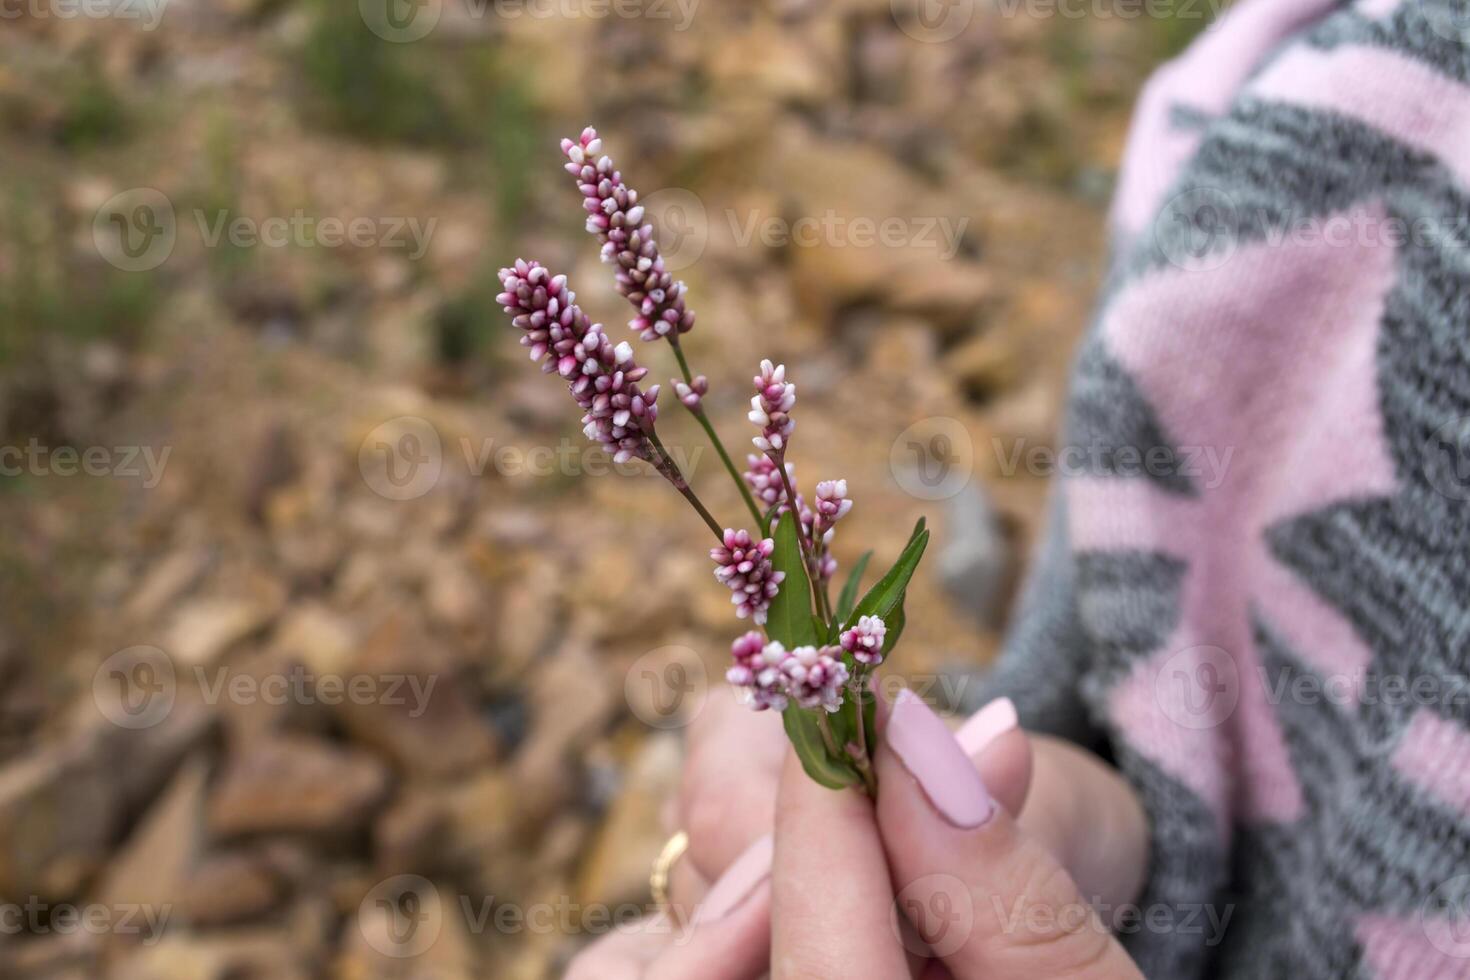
(811, 676)
(616, 218)
(865, 640)
(815, 677)
(602, 376)
(744, 565)
(771, 408)
(692, 394)
(764, 479)
(832, 505)
(757, 673)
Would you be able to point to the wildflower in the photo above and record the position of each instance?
(616, 218)
(758, 670)
(832, 505)
(771, 408)
(744, 565)
(764, 479)
(815, 677)
(865, 640)
(693, 393)
(602, 376)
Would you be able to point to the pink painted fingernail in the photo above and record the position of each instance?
(927, 749)
(739, 880)
(987, 725)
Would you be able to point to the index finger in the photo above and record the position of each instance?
(832, 905)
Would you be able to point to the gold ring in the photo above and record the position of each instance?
(658, 878)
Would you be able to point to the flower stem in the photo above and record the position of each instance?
(858, 757)
(827, 736)
(862, 760)
(665, 464)
(819, 600)
(709, 430)
(870, 778)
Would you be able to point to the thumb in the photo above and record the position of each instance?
(987, 898)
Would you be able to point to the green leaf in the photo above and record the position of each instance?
(789, 620)
(918, 529)
(885, 596)
(895, 621)
(806, 737)
(849, 594)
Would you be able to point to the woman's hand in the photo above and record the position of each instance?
(1073, 808)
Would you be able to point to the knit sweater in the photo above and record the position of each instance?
(1254, 592)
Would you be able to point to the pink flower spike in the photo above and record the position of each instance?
(815, 677)
(601, 376)
(771, 409)
(691, 394)
(832, 505)
(771, 675)
(757, 670)
(764, 479)
(744, 566)
(617, 219)
(865, 640)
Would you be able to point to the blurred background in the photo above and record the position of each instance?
(328, 646)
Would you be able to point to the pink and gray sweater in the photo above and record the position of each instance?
(1255, 597)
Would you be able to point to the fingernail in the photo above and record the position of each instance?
(987, 725)
(739, 880)
(927, 749)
